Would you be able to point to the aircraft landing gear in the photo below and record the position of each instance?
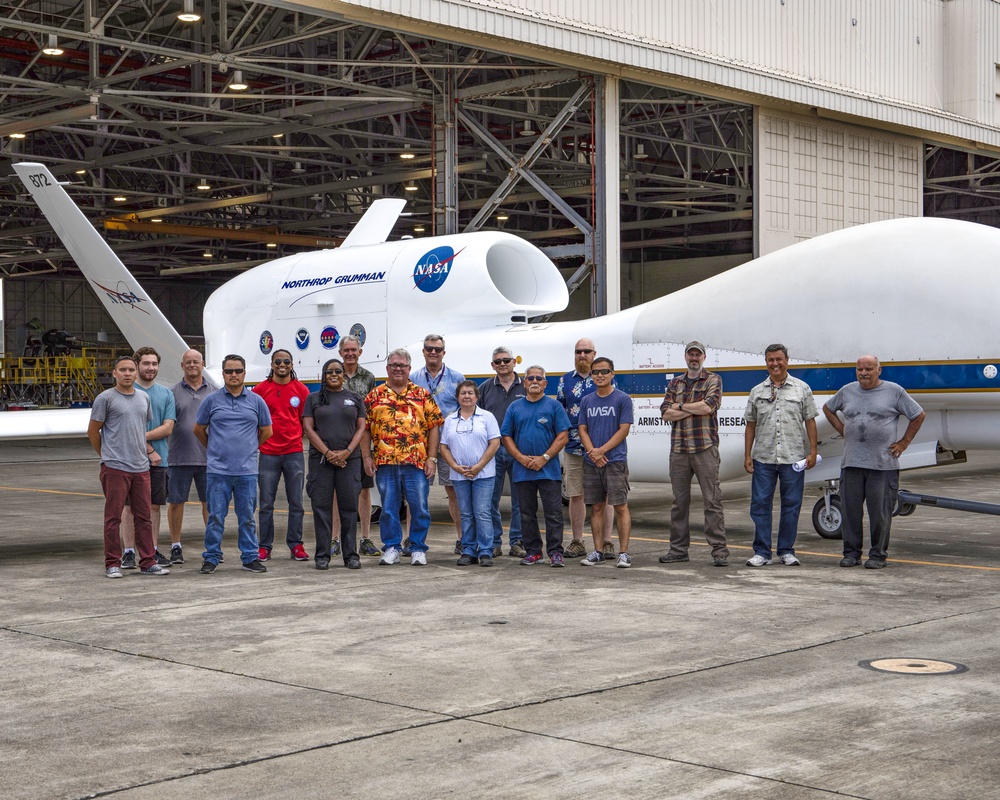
(827, 516)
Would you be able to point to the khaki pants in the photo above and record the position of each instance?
(704, 465)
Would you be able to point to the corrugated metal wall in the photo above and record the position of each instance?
(820, 176)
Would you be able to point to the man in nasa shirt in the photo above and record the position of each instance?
(281, 455)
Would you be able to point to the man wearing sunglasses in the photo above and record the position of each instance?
(442, 383)
(281, 456)
(777, 410)
(496, 395)
(232, 424)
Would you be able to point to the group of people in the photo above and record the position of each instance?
(237, 444)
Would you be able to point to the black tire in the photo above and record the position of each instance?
(829, 525)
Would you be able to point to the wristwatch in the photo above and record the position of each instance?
(545, 456)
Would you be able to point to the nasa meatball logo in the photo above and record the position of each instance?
(302, 338)
(329, 337)
(266, 342)
(358, 331)
(433, 268)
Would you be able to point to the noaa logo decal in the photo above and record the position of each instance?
(433, 268)
(294, 402)
(266, 342)
(302, 338)
(358, 330)
(329, 337)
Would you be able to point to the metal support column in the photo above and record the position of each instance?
(607, 297)
(445, 160)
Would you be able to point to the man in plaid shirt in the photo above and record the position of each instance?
(691, 406)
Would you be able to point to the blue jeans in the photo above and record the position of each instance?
(396, 482)
(269, 470)
(243, 491)
(474, 501)
(764, 480)
(505, 466)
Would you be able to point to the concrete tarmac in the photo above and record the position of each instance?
(679, 681)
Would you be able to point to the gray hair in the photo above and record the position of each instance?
(535, 366)
(349, 338)
(497, 351)
(402, 352)
(434, 337)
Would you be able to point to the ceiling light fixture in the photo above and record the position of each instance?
(119, 198)
(204, 185)
(16, 135)
(271, 244)
(207, 254)
(640, 152)
(277, 135)
(157, 219)
(81, 172)
(53, 48)
(188, 14)
(298, 169)
(502, 217)
(419, 229)
(406, 155)
(237, 84)
(410, 187)
(527, 129)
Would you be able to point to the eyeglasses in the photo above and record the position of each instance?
(583, 352)
(498, 361)
(285, 361)
(433, 349)
(234, 371)
(334, 372)
(532, 378)
(399, 366)
(600, 372)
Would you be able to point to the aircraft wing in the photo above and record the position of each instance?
(59, 423)
(135, 314)
(376, 224)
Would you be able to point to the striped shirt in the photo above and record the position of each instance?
(699, 432)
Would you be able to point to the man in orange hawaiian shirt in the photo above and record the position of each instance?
(405, 427)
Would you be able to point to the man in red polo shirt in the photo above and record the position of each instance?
(281, 455)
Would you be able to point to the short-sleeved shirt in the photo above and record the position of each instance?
(400, 423)
(467, 439)
(360, 383)
(780, 437)
(123, 433)
(572, 389)
(495, 399)
(185, 449)
(336, 421)
(699, 432)
(603, 416)
(285, 401)
(441, 387)
(162, 402)
(534, 426)
(233, 424)
(870, 422)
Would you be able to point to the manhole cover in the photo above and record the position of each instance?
(914, 666)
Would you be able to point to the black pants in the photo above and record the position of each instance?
(527, 496)
(877, 489)
(321, 484)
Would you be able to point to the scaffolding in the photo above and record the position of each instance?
(53, 381)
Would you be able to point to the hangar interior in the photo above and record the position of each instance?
(203, 147)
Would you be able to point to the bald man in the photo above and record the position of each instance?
(869, 474)
(188, 456)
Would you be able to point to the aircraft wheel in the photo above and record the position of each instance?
(828, 523)
(905, 509)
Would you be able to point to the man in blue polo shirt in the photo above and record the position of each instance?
(232, 424)
(534, 430)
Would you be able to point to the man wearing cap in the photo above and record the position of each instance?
(691, 406)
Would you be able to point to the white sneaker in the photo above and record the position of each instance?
(418, 559)
(789, 560)
(113, 572)
(390, 556)
(624, 560)
(758, 561)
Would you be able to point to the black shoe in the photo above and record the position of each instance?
(255, 566)
(465, 561)
(207, 567)
(849, 561)
(354, 562)
(176, 554)
(875, 563)
(322, 563)
(486, 561)
(128, 561)
(161, 561)
(458, 547)
(674, 558)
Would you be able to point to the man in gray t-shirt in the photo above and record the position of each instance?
(870, 471)
(117, 431)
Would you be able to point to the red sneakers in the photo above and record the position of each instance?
(299, 553)
(263, 554)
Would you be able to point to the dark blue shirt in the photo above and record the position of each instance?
(533, 427)
(603, 416)
(232, 430)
